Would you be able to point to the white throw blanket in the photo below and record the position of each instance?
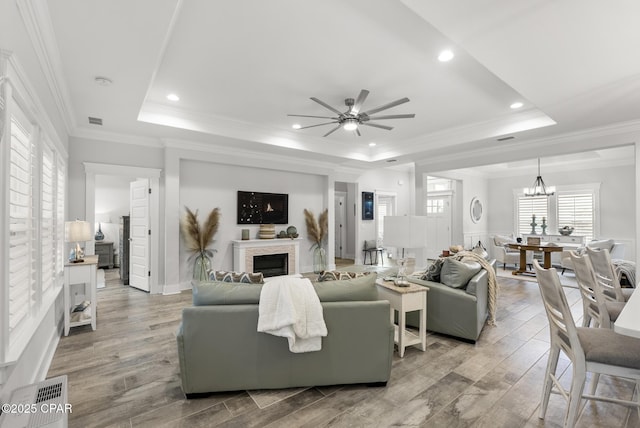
(289, 307)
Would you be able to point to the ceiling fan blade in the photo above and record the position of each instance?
(318, 117)
(375, 125)
(332, 131)
(386, 106)
(392, 116)
(325, 105)
(358, 104)
(319, 124)
(357, 131)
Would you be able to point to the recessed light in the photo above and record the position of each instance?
(516, 105)
(445, 55)
(102, 81)
(296, 126)
(173, 97)
(372, 144)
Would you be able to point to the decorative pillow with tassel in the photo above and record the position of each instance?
(240, 277)
(335, 275)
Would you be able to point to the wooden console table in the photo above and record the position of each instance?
(523, 248)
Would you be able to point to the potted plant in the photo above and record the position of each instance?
(199, 239)
(317, 231)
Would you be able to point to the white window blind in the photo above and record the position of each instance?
(577, 209)
(59, 223)
(527, 207)
(48, 243)
(21, 221)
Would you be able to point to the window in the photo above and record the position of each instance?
(577, 209)
(21, 222)
(575, 206)
(435, 206)
(32, 226)
(528, 206)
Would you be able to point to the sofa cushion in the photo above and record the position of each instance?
(433, 271)
(602, 244)
(240, 277)
(456, 274)
(354, 289)
(336, 275)
(225, 293)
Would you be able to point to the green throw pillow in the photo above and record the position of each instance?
(350, 290)
(456, 274)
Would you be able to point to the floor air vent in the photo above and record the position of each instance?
(39, 405)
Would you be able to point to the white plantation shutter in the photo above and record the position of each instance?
(21, 221)
(527, 207)
(48, 243)
(59, 221)
(577, 209)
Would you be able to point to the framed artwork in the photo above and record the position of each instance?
(367, 205)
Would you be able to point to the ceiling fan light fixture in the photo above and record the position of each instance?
(350, 125)
(445, 56)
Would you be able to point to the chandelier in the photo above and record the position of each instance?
(539, 188)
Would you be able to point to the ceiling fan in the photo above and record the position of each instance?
(353, 118)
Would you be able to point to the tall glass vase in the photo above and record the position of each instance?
(201, 266)
(319, 260)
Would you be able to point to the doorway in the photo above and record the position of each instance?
(147, 251)
(439, 215)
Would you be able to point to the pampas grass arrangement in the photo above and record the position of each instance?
(198, 239)
(317, 230)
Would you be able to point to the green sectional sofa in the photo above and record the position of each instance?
(220, 349)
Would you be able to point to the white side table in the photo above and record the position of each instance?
(403, 300)
(80, 273)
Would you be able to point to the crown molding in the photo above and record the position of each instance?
(242, 157)
(589, 139)
(37, 22)
(116, 137)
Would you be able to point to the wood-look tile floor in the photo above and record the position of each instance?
(125, 374)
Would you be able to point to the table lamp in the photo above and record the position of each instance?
(405, 232)
(77, 231)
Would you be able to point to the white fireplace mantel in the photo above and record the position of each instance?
(245, 250)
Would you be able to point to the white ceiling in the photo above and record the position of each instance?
(241, 66)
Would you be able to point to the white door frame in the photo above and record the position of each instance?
(153, 174)
(342, 241)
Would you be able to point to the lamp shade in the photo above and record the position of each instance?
(77, 231)
(405, 231)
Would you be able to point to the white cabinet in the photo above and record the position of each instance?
(80, 284)
(569, 241)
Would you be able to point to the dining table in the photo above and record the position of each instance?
(628, 321)
(523, 248)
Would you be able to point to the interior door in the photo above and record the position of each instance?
(340, 223)
(438, 224)
(139, 269)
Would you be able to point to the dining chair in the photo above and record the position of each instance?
(594, 307)
(603, 267)
(595, 350)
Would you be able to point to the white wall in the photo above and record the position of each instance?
(207, 185)
(617, 196)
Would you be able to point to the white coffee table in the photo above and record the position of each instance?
(403, 300)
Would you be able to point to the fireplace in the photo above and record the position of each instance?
(245, 253)
(271, 264)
